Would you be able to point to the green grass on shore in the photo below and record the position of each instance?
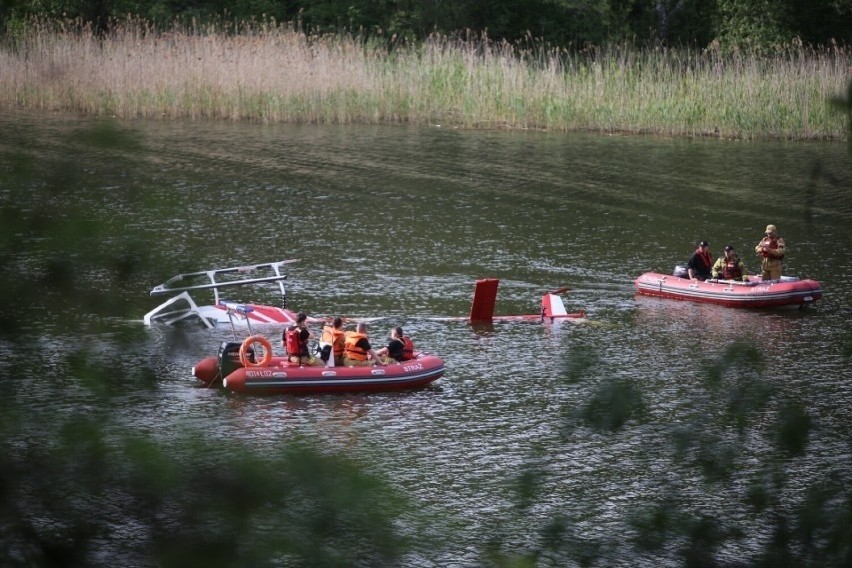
(274, 74)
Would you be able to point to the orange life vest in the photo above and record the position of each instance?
(408, 349)
(351, 349)
(335, 338)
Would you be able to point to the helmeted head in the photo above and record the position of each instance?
(771, 230)
(703, 245)
(361, 327)
(729, 250)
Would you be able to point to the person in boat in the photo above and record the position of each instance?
(771, 249)
(357, 351)
(729, 267)
(400, 347)
(333, 342)
(700, 262)
(295, 342)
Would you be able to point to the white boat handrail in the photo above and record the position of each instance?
(168, 312)
(162, 289)
(167, 288)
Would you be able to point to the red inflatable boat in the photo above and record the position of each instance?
(276, 375)
(789, 291)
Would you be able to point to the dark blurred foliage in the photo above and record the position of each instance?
(760, 24)
(712, 443)
(92, 496)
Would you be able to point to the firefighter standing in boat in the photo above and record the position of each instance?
(729, 267)
(771, 248)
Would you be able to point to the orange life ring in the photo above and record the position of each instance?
(267, 351)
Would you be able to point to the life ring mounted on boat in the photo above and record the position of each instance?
(267, 351)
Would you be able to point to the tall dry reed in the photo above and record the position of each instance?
(271, 73)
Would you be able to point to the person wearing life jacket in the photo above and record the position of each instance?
(295, 342)
(333, 342)
(771, 249)
(729, 267)
(700, 262)
(357, 351)
(408, 346)
(400, 347)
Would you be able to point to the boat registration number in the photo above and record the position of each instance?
(414, 367)
(265, 373)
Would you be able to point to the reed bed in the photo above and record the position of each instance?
(272, 73)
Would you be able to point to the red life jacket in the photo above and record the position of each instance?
(705, 258)
(732, 269)
(408, 349)
(292, 341)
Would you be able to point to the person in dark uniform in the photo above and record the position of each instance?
(700, 262)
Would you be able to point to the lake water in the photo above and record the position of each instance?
(397, 223)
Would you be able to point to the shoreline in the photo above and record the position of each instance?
(626, 131)
(281, 76)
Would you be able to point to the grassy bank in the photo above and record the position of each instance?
(274, 74)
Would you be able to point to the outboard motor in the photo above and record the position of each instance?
(229, 357)
(680, 271)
